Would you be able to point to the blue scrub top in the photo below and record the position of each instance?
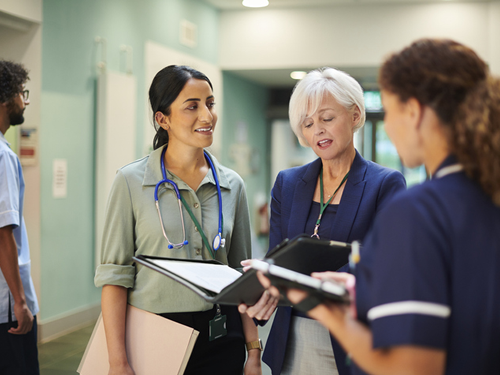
(429, 274)
(11, 213)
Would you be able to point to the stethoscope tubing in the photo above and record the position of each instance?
(218, 241)
(219, 194)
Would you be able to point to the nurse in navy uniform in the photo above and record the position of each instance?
(428, 282)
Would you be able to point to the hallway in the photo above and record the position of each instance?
(62, 355)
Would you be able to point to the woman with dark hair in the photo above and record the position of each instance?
(183, 107)
(427, 286)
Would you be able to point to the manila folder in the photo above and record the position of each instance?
(155, 345)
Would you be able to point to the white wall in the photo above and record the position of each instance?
(350, 35)
(494, 37)
(156, 57)
(286, 150)
(27, 9)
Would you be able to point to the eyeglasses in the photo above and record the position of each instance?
(26, 95)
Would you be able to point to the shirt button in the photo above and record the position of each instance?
(196, 229)
(196, 205)
(198, 251)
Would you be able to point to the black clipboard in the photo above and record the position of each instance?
(319, 290)
(301, 254)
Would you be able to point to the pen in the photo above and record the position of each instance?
(354, 257)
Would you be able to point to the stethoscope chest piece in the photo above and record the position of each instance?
(218, 242)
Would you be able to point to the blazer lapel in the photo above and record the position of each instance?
(302, 198)
(351, 198)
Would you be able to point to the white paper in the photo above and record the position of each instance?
(209, 276)
(59, 178)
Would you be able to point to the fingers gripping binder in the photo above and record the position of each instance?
(218, 283)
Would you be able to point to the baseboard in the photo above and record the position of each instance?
(53, 328)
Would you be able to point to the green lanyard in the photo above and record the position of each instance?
(324, 206)
(198, 226)
(214, 323)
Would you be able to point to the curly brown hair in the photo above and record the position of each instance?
(455, 82)
(12, 77)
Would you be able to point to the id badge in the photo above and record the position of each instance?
(217, 327)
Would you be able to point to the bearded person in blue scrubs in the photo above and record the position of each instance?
(427, 287)
(18, 302)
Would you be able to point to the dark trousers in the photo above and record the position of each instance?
(18, 353)
(223, 356)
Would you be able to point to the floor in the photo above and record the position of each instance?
(62, 355)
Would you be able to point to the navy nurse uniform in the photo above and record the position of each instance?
(429, 273)
(367, 190)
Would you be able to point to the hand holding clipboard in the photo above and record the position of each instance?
(319, 291)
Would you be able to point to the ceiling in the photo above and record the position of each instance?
(236, 4)
(280, 78)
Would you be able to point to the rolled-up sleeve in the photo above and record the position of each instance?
(118, 242)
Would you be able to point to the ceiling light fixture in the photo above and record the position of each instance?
(298, 74)
(255, 3)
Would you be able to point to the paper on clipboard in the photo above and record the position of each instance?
(213, 281)
(155, 345)
(213, 277)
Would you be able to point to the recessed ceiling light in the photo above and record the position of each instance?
(298, 74)
(255, 3)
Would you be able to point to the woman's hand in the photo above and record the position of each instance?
(339, 277)
(349, 282)
(357, 339)
(253, 366)
(114, 315)
(246, 264)
(251, 332)
(121, 370)
(323, 312)
(264, 308)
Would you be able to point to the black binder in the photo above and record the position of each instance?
(301, 254)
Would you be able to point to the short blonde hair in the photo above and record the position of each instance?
(309, 92)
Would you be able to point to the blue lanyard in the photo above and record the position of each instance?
(218, 240)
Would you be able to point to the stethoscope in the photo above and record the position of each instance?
(218, 240)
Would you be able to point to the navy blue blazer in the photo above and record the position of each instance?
(367, 190)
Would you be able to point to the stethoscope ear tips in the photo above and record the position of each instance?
(186, 242)
(170, 246)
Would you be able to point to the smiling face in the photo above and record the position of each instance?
(329, 131)
(192, 116)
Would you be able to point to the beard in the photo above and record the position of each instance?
(16, 114)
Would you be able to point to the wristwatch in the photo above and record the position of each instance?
(255, 345)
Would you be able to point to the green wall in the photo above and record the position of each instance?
(67, 129)
(246, 103)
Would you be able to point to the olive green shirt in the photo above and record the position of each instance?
(132, 227)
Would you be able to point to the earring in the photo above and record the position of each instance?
(160, 120)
